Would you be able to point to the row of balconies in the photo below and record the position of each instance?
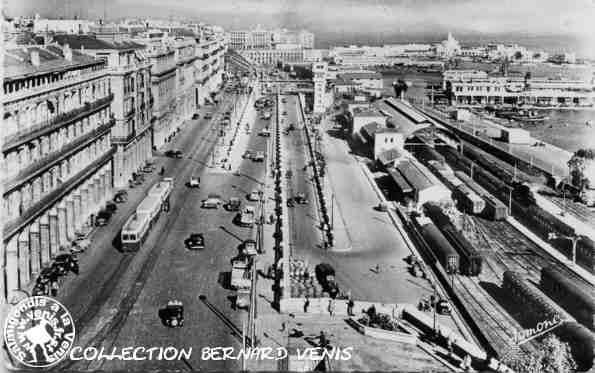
(26, 134)
(47, 161)
(39, 207)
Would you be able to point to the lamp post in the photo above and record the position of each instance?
(573, 239)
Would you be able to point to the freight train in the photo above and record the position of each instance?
(574, 295)
(537, 307)
(523, 205)
(470, 259)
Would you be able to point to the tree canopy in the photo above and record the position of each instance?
(553, 356)
(578, 165)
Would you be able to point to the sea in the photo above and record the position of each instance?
(566, 129)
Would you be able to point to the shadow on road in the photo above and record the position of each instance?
(236, 221)
(235, 331)
(225, 280)
(117, 241)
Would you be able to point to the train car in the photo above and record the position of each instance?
(446, 254)
(495, 209)
(135, 231)
(574, 295)
(470, 259)
(427, 153)
(585, 254)
(468, 200)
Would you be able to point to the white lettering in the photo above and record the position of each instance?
(170, 350)
(135, 355)
(72, 352)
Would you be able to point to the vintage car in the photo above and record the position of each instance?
(173, 314)
(196, 241)
(65, 263)
(212, 202)
(254, 195)
(194, 182)
(233, 204)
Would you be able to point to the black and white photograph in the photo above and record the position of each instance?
(297, 186)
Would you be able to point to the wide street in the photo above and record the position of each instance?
(116, 302)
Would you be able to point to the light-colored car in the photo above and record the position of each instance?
(254, 196)
(258, 157)
(247, 217)
(212, 202)
(194, 182)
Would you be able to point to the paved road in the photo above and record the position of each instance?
(115, 303)
(176, 273)
(373, 237)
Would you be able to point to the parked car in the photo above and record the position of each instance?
(284, 112)
(111, 207)
(194, 182)
(196, 241)
(301, 199)
(265, 132)
(195, 116)
(65, 263)
(102, 218)
(258, 157)
(121, 196)
(443, 307)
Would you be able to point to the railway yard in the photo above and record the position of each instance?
(496, 272)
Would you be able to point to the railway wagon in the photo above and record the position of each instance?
(446, 254)
(468, 200)
(495, 209)
(427, 153)
(471, 260)
(574, 295)
(537, 307)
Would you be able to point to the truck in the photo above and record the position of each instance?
(325, 274)
(247, 216)
(240, 273)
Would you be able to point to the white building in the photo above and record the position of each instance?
(67, 26)
(319, 70)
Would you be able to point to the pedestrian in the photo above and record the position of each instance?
(283, 326)
(350, 305)
(331, 307)
(377, 268)
(306, 304)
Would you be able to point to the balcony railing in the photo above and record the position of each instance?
(37, 90)
(41, 206)
(49, 160)
(24, 135)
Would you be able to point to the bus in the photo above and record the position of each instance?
(138, 226)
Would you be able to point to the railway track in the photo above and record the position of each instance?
(497, 325)
(513, 250)
(579, 211)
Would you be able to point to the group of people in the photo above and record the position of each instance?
(331, 306)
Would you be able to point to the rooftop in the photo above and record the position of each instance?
(358, 75)
(91, 42)
(17, 61)
(399, 121)
(366, 112)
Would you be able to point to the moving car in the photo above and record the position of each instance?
(301, 199)
(233, 204)
(174, 153)
(196, 241)
(121, 196)
(195, 116)
(265, 132)
(194, 182)
(258, 157)
(173, 314)
(213, 201)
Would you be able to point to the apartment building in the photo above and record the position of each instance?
(56, 155)
(132, 105)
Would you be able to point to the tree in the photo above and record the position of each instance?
(400, 86)
(537, 56)
(518, 55)
(577, 166)
(553, 356)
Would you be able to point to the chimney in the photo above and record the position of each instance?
(35, 58)
(67, 52)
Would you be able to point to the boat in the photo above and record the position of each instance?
(528, 116)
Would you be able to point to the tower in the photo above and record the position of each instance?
(319, 69)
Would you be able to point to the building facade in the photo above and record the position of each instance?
(132, 105)
(319, 70)
(56, 156)
(272, 56)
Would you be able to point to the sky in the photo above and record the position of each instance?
(376, 20)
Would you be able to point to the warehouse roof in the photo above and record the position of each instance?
(406, 110)
(399, 121)
(416, 175)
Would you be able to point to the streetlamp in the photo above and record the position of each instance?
(574, 239)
